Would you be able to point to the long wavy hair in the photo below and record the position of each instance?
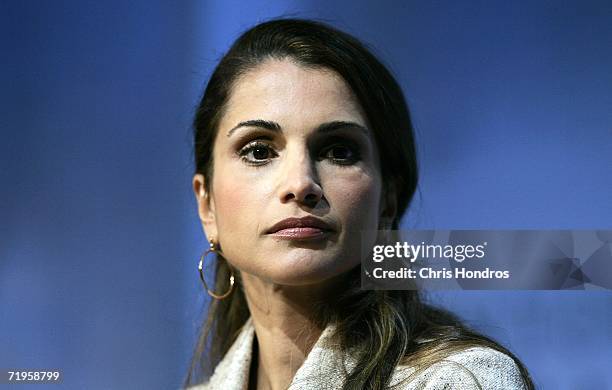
(381, 328)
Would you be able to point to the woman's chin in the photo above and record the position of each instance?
(305, 273)
(288, 273)
(299, 266)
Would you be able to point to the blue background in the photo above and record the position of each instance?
(99, 235)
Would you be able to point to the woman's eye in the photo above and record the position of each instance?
(341, 154)
(257, 153)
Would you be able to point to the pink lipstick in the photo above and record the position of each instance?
(305, 228)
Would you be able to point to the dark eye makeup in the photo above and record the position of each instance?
(341, 152)
(257, 153)
(338, 150)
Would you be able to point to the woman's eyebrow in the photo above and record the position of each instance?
(256, 123)
(322, 128)
(340, 125)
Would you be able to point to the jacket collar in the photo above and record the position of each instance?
(325, 364)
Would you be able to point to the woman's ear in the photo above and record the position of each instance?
(206, 206)
(388, 204)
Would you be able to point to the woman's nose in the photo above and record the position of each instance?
(299, 181)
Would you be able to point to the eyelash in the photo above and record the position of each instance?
(353, 150)
(252, 146)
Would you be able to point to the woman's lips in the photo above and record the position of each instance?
(300, 233)
(305, 228)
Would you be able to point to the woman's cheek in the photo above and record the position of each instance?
(357, 198)
(232, 200)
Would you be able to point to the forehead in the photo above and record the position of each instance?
(291, 94)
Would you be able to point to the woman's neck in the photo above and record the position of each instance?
(286, 328)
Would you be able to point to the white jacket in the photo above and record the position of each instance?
(325, 368)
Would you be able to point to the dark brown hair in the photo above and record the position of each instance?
(381, 328)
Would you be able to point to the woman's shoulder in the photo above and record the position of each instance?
(473, 368)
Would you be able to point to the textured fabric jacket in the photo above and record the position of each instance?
(325, 368)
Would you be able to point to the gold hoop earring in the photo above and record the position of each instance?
(201, 270)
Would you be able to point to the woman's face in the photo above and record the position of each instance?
(296, 176)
